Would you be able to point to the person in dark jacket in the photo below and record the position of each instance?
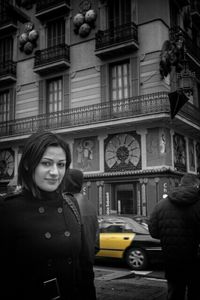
(74, 185)
(41, 233)
(175, 220)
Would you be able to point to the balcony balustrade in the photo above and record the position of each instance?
(145, 105)
(52, 58)
(7, 72)
(114, 111)
(47, 8)
(9, 15)
(120, 38)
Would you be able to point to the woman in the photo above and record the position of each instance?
(42, 240)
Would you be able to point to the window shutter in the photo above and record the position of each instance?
(134, 64)
(66, 95)
(104, 83)
(42, 97)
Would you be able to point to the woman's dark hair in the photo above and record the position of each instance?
(33, 151)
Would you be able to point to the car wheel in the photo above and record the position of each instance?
(136, 259)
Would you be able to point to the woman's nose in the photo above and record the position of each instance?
(54, 169)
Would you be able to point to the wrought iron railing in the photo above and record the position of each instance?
(145, 105)
(46, 4)
(52, 54)
(8, 68)
(116, 35)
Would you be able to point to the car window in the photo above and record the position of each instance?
(114, 228)
(117, 224)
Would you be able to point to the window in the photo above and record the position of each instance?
(6, 49)
(55, 33)
(4, 106)
(3, 10)
(174, 14)
(119, 81)
(54, 95)
(119, 12)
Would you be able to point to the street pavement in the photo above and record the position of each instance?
(129, 285)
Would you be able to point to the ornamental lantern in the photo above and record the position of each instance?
(185, 79)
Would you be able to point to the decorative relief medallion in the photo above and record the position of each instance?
(6, 163)
(122, 152)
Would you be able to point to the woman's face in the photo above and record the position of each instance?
(51, 169)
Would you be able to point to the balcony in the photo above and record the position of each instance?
(195, 12)
(7, 24)
(138, 110)
(7, 72)
(46, 9)
(121, 39)
(52, 59)
(190, 45)
(9, 16)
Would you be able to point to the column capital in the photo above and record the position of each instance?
(142, 131)
(102, 137)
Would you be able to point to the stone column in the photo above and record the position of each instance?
(143, 182)
(101, 139)
(172, 146)
(71, 144)
(143, 133)
(100, 197)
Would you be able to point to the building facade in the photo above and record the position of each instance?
(119, 80)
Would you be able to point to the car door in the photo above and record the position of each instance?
(113, 241)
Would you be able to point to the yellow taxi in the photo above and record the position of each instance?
(124, 238)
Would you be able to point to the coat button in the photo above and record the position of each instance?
(49, 262)
(67, 233)
(41, 210)
(69, 260)
(47, 235)
(60, 210)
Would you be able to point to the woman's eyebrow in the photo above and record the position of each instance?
(48, 158)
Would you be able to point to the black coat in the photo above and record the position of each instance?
(40, 240)
(176, 222)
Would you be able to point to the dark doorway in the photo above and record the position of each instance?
(125, 201)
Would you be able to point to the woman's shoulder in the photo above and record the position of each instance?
(13, 196)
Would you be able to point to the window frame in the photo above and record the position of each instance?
(5, 113)
(55, 32)
(124, 80)
(58, 105)
(119, 13)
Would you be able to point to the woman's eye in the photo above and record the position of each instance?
(46, 163)
(61, 165)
